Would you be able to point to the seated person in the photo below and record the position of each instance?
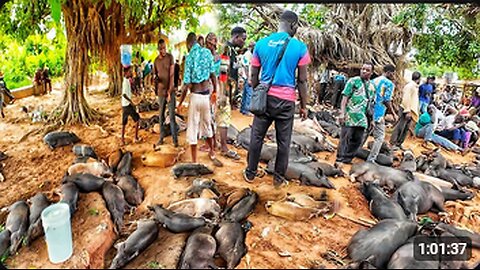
(450, 126)
(424, 129)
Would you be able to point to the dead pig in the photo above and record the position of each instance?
(386, 176)
(132, 191)
(86, 182)
(307, 175)
(190, 169)
(125, 165)
(116, 203)
(4, 242)
(38, 203)
(99, 169)
(380, 205)
(379, 242)
(418, 197)
(231, 243)
(199, 250)
(84, 151)
(70, 196)
(176, 222)
(145, 234)
(58, 139)
(242, 209)
(17, 224)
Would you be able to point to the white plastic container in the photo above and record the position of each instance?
(58, 232)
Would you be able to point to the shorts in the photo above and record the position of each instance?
(224, 115)
(199, 118)
(129, 111)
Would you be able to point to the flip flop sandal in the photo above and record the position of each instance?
(216, 162)
(231, 154)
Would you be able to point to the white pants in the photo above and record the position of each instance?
(199, 118)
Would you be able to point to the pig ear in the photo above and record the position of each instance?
(119, 246)
(320, 172)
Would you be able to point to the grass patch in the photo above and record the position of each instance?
(93, 212)
(155, 265)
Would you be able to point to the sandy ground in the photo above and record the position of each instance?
(33, 167)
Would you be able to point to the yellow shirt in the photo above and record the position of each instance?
(410, 101)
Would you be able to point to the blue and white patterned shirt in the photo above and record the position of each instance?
(198, 65)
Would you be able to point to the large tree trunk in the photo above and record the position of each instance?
(114, 37)
(74, 107)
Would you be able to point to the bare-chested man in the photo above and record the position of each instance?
(163, 71)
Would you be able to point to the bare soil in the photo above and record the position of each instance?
(32, 167)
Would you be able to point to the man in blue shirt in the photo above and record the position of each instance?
(425, 92)
(383, 98)
(281, 95)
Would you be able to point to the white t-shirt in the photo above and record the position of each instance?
(126, 90)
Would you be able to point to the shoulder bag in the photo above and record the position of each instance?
(258, 105)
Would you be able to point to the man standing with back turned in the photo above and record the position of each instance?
(281, 96)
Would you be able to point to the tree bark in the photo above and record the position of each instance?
(74, 107)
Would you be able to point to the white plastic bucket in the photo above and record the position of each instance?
(58, 232)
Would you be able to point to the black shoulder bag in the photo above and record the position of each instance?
(258, 104)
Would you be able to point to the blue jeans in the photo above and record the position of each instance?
(426, 132)
(423, 106)
(246, 98)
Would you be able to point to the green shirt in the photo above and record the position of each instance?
(424, 120)
(357, 103)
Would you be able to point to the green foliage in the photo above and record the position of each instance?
(243, 14)
(155, 265)
(313, 13)
(23, 57)
(21, 18)
(168, 14)
(445, 39)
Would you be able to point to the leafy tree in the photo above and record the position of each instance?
(95, 30)
(446, 37)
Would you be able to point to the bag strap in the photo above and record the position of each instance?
(280, 56)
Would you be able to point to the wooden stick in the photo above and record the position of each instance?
(363, 223)
(369, 221)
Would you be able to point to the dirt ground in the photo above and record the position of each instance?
(32, 167)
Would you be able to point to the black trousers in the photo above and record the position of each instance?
(337, 93)
(322, 93)
(400, 131)
(351, 139)
(281, 112)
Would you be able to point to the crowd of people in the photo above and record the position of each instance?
(439, 118)
(217, 77)
(220, 80)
